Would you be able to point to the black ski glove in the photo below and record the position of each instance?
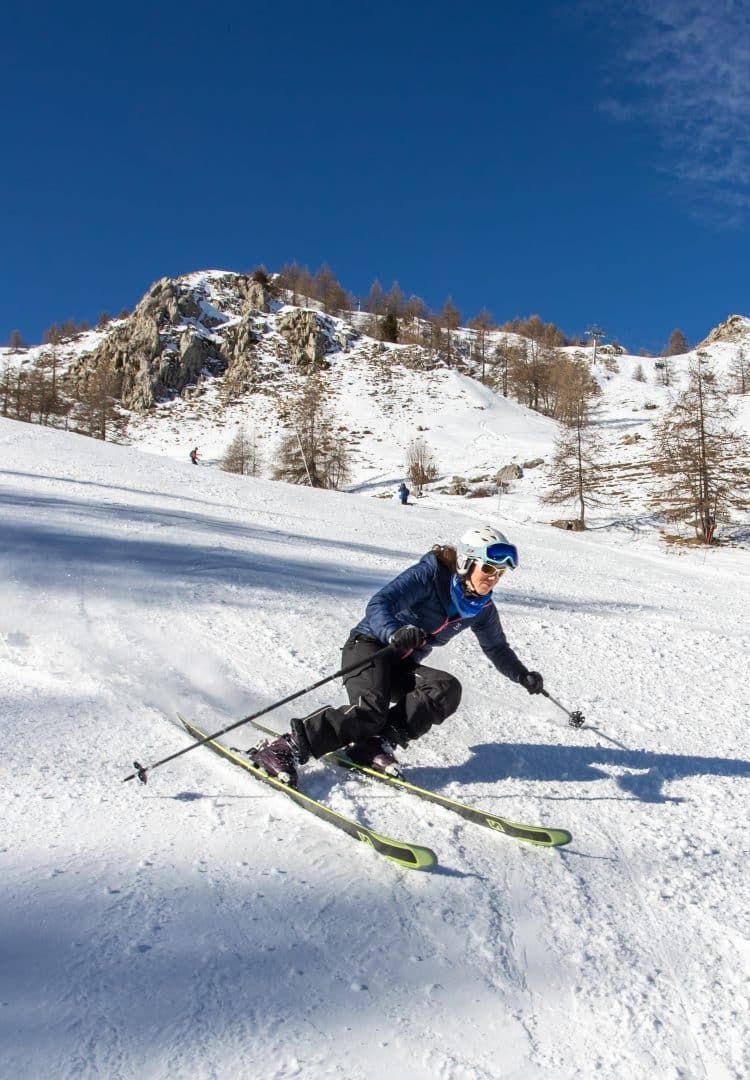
(532, 681)
(406, 638)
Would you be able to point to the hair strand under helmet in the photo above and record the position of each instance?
(485, 544)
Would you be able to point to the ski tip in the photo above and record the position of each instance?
(425, 859)
(410, 856)
(558, 837)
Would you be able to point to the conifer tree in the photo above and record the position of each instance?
(45, 382)
(375, 300)
(394, 300)
(306, 287)
(701, 465)
(241, 456)
(97, 411)
(15, 341)
(449, 320)
(288, 279)
(312, 451)
(529, 370)
(482, 324)
(503, 358)
(576, 462)
(420, 464)
(413, 323)
(388, 327)
(677, 345)
(739, 372)
(664, 369)
(6, 387)
(330, 293)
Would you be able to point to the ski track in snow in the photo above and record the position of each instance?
(202, 926)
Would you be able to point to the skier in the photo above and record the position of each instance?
(194, 456)
(394, 697)
(403, 493)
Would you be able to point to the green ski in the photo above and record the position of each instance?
(409, 855)
(532, 834)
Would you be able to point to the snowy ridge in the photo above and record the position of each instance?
(382, 401)
(203, 927)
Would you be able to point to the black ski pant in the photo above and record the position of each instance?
(385, 691)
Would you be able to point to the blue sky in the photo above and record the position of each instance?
(585, 161)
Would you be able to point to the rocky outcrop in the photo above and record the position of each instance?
(306, 335)
(171, 337)
(257, 298)
(168, 302)
(309, 335)
(240, 348)
(735, 330)
(508, 473)
(214, 323)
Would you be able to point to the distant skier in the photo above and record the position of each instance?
(403, 494)
(394, 697)
(194, 456)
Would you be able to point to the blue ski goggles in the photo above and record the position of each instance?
(502, 555)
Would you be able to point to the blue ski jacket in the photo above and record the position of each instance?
(421, 596)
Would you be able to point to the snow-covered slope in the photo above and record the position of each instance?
(204, 927)
(469, 430)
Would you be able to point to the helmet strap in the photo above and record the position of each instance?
(464, 579)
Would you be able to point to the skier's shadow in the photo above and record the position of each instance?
(640, 774)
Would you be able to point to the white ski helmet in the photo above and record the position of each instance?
(484, 544)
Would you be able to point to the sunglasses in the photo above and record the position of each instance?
(490, 570)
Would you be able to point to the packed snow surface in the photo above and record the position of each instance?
(203, 926)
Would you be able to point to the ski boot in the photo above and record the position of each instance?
(376, 753)
(281, 758)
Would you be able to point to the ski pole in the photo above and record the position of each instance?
(141, 771)
(575, 719)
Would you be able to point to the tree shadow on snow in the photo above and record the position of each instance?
(640, 774)
(120, 546)
(135, 563)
